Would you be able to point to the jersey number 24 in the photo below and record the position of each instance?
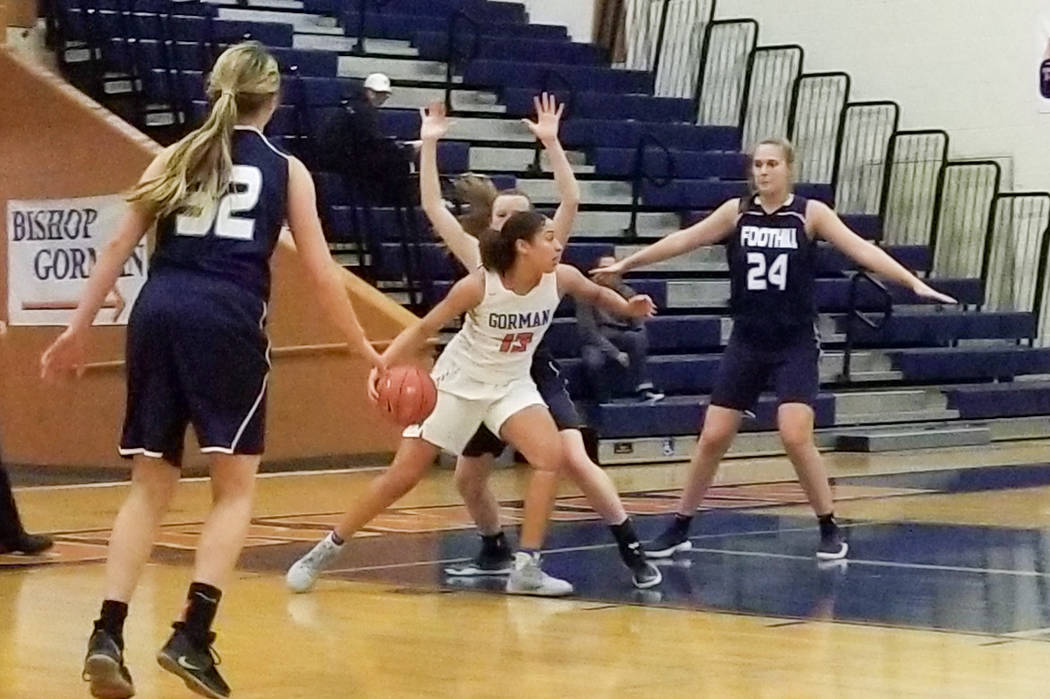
(247, 181)
(759, 278)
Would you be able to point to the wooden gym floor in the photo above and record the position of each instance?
(946, 593)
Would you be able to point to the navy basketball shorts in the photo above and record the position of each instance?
(555, 393)
(792, 371)
(197, 354)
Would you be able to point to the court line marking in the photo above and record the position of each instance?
(199, 479)
(880, 564)
(589, 547)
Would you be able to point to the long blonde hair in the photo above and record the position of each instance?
(479, 193)
(245, 78)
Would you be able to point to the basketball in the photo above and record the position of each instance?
(407, 394)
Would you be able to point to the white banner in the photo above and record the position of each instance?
(52, 246)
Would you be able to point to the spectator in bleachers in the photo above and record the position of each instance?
(606, 338)
(13, 538)
(352, 142)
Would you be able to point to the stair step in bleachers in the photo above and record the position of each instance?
(434, 46)
(602, 105)
(897, 439)
(300, 21)
(390, 25)
(1016, 398)
(405, 69)
(348, 44)
(488, 159)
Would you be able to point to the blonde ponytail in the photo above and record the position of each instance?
(244, 79)
(478, 193)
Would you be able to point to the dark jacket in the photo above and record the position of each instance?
(591, 321)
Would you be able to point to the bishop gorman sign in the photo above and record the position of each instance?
(52, 246)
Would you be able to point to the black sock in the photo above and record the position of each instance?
(627, 542)
(111, 619)
(680, 523)
(202, 601)
(827, 524)
(624, 533)
(494, 544)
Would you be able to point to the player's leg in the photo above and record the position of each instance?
(592, 481)
(450, 426)
(154, 428)
(741, 377)
(187, 653)
(601, 494)
(532, 431)
(473, 468)
(413, 459)
(153, 483)
(796, 380)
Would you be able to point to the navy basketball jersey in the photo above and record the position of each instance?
(772, 267)
(234, 236)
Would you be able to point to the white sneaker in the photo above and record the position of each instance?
(303, 573)
(527, 578)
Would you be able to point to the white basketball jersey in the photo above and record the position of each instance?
(500, 335)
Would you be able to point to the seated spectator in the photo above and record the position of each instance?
(351, 142)
(606, 338)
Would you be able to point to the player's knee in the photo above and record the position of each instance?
(796, 437)
(548, 459)
(714, 440)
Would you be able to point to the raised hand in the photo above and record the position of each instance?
(434, 123)
(548, 116)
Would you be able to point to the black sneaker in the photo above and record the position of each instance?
(485, 563)
(643, 573)
(29, 544)
(665, 545)
(649, 395)
(104, 667)
(832, 546)
(193, 663)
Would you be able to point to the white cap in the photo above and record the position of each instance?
(377, 82)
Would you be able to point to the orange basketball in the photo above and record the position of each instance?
(408, 394)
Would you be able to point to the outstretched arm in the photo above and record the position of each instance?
(314, 253)
(571, 281)
(463, 245)
(545, 128)
(68, 350)
(827, 224)
(713, 229)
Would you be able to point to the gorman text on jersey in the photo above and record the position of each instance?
(518, 321)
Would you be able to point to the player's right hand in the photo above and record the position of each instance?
(434, 124)
(602, 274)
(65, 354)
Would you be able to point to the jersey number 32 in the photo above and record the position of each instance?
(246, 181)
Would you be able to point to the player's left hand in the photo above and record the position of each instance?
(641, 306)
(923, 291)
(548, 116)
(373, 384)
(65, 354)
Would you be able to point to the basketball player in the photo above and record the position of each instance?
(197, 350)
(490, 208)
(771, 240)
(483, 377)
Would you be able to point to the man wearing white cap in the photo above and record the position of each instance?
(377, 89)
(352, 142)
